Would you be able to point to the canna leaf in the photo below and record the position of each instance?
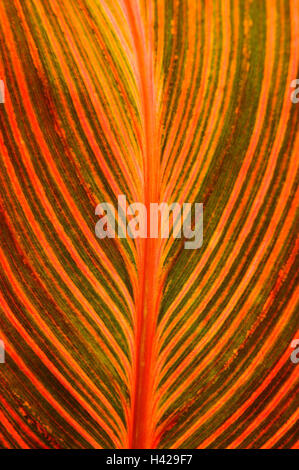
(141, 343)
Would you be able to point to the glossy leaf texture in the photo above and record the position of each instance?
(123, 343)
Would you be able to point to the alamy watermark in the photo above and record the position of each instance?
(2, 352)
(295, 93)
(159, 221)
(295, 354)
(2, 92)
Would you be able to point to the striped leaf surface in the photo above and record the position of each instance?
(123, 343)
